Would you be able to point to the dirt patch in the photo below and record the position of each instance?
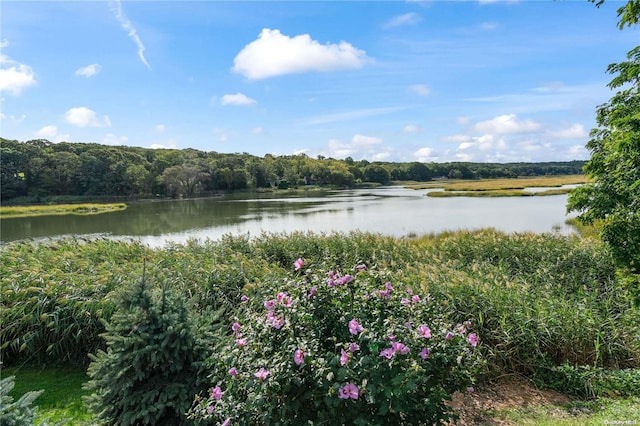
(477, 407)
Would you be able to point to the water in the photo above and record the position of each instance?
(387, 210)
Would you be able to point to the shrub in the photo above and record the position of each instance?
(151, 369)
(321, 347)
(16, 413)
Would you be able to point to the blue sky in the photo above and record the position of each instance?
(484, 81)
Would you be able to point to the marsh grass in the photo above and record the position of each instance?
(499, 187)
(59, 209)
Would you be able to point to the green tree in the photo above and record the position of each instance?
(613, 196)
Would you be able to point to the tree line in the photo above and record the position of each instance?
(37, 170)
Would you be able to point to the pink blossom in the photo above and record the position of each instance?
(467, 324)
(470, 389)
(415, 298)
(408, 325)
(424, 354)
(331, 275)
(241, 342)
(281, 296)
(298, 264)
(449, 335)
(353, 347)
(209, 408)
(277, 323)
(262, 373)
(409, 291)
(344, 357)
(331, 283)
(235, 327)
(387, 353)
(354, 327)
(405, 301)
(233, 372)
(385, 294)
(216, 393)
(388, 286)
(348, 391)
(391, 337)
(399, 347)
(226, 422)
(424, 331)
(244, 298)
(298, 356)
(344, 280)
(473, 339)
(361, 267)
(269, 304)
(313, 291)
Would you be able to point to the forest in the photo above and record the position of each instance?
(39, 170)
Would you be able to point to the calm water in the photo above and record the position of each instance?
(387, 210)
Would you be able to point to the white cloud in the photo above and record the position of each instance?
(411, 18)
(458, 138)
(576, 131)
(89, 70)
(360, 146)
(84, 117)
(464, 157)
(362, 140)
(507, 124)
(420, 90)
(411, 128)
(126, 25)
(257, 130)
(14, 77)
(274, 54)
(168, 144)
(51, 133)
(425, 155)
(111, 139)
(465, 145)
(237, 99)
(578, 152)
(159, 128)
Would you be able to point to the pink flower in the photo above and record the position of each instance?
(277, 323)
(209, 408)
(399, 347)
(233, 372)
(449, 335)
(409, 291)
(473, 339)
(354, 327)
(298, 356)
(415, 298)
(387, 353)
(287, 301)
(385, 294)
(269, 304)
(235, 327)
(348, 391)
(470, 389)
(405, 301)
(281, 296)
(298, 264)
(226, 422)
(331, 275)
(262, 373)
(353, 347)
(424, 354)
(424, 331)
(241, 342)
(391, 337)
(344, 357)
(313, 291)
(408, 325)
(244, 298)
(344, 280)
(388, 286)
(361, 267)
(216, 393)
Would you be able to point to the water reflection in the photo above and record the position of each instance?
(389, 210)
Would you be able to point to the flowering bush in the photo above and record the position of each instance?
(332, 347)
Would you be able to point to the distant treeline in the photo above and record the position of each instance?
(39, 169)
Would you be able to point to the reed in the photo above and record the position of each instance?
(59, 209)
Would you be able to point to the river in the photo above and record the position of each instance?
(390, 210)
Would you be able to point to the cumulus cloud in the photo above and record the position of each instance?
(576, 131)
(420, 90)
(411, 18)
(237, 99)
(360, 146)
(274, 54)
(51, 133)
(362, 140)
(85, 117)
(126, 25)
(89, 70)
(425, 155)
(168, 144)
(14, 76)
(507, 124)
(411, 128)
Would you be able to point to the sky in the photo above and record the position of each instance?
(429, 81)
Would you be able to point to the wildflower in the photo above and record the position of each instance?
(226, 422)
(387, 353)
(287, 301)
(262, 373)
(277, 323)
(415, 298)
(353, 347)
(348, 391)
(235, 327)
(331, 275)
(216, 393)
(388, 286)
(281, 296)
(298, 264)
(473, 339)
(409, 291)
(269, 304)
(408, 325)
(449, 335)
(361, 268)
(344, 280)
(424, 354)
(467, 324)
(399, 347)
(385, 294)
(354, 327)
(470, 389)
(241, 342)
(391, 337)
(405, 301)
(244, 298)
(298, 356)
(313, 291)
(233, 372)
(344, 357)
(424, 331)
(210, 409)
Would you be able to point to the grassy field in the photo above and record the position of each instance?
(500, 187)
(59, 209)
